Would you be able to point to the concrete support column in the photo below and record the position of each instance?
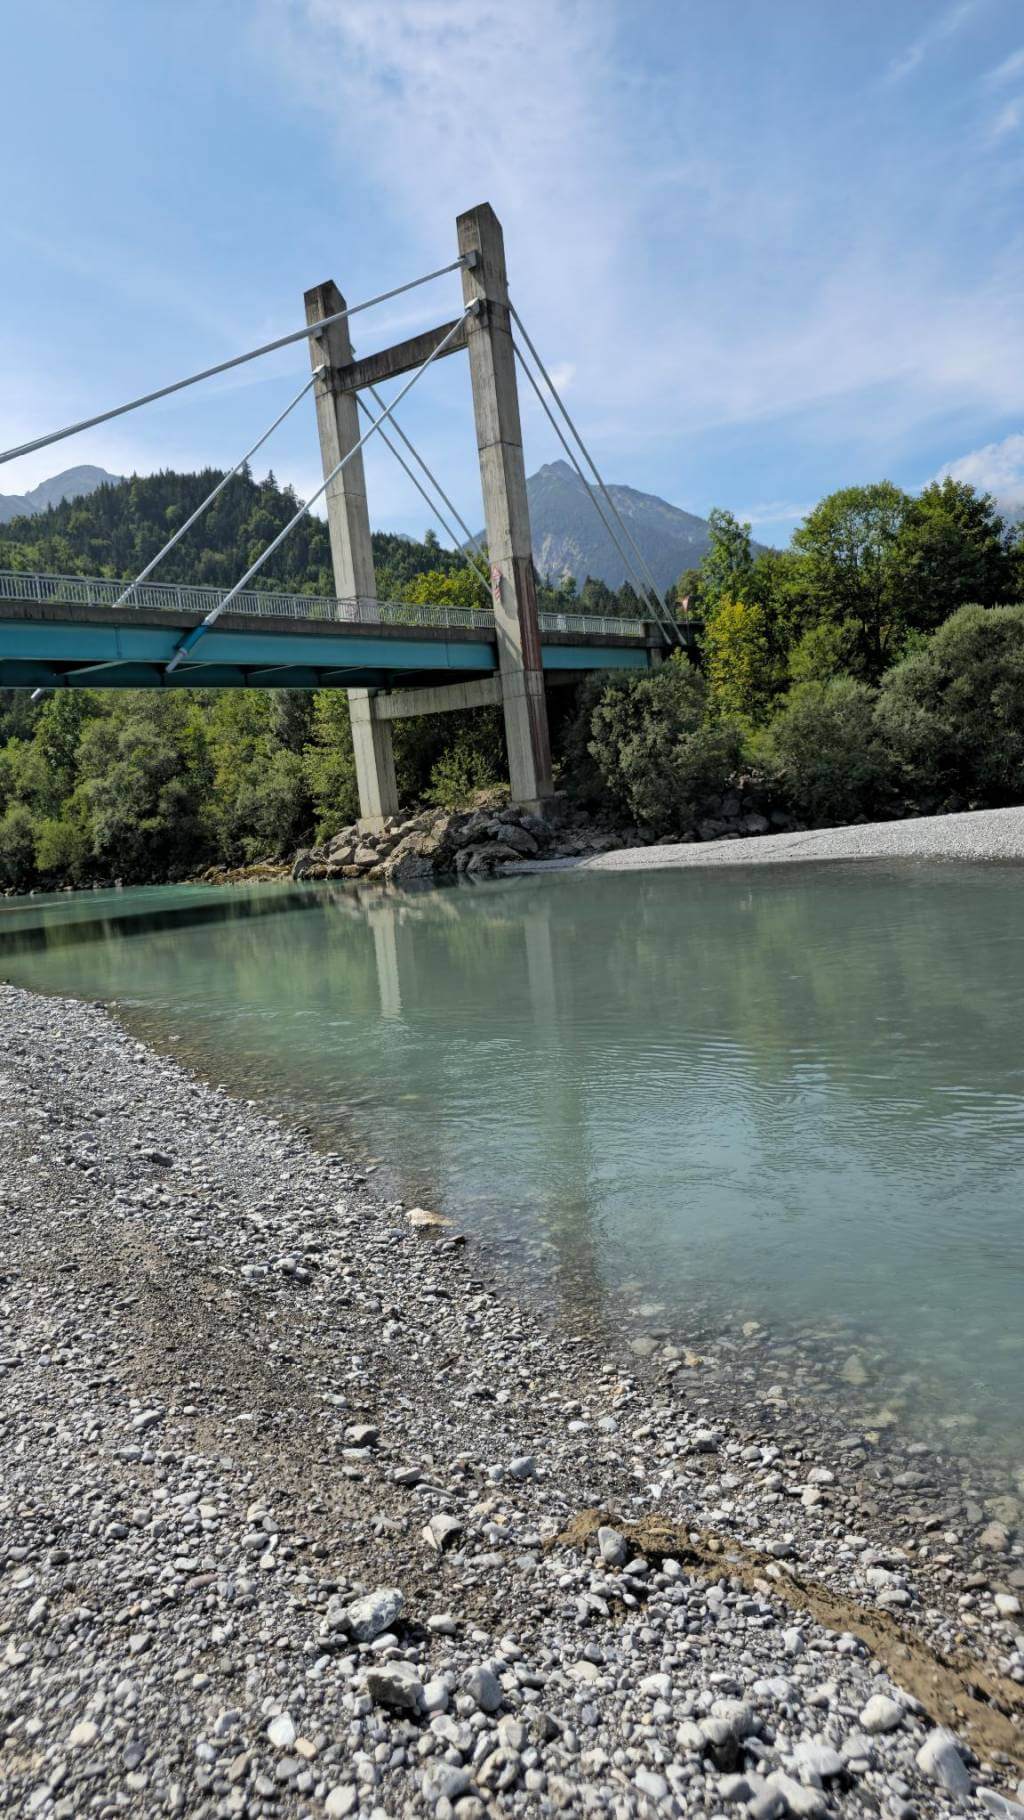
(506, 512)
(348, 524)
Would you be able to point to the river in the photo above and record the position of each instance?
(680, 1102)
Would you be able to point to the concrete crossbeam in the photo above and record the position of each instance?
(403, 357)
(450, 698)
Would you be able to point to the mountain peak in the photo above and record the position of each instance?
(72, 483)
(569, 537)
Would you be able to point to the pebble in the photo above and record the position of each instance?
(939, 1758)
(395, 1684)
(281, 1732)
(613, 1548)
(484, 1687)
(881, 1714)
(231, 1615)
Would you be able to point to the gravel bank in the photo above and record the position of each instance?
(303, 1514)
(988, 834)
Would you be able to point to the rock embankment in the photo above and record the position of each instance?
(438, 843)
(304, 1514)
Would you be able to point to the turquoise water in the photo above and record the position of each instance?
(680, 1101)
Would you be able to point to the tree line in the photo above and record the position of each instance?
(875, 667)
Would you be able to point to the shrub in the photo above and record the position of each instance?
(17, 847)
(64, 848)
(825, 748)
(953, 711)
(658, 756)
(463, 768)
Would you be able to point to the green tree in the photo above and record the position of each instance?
(17, 847)
(953, 550)
(657, 754)
(726, 565)
(851, 571)
(952, 713)
(460, 588)
(329, 764)
(744, 673)
(827, 752)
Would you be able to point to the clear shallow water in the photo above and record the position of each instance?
(682, 1100)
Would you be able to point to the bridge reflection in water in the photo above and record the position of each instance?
(789, 1095)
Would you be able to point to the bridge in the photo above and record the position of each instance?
(393, 658)
(68, 632)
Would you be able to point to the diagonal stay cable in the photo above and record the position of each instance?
(631, 568)
(663, 615)
(225, 366)
(144, 574)
(193, 637)
(113, 664)
(421, 489)
(471, 537)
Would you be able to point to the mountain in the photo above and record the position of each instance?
(569, 538)
(74, 483)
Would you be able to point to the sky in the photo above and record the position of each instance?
(766, 250)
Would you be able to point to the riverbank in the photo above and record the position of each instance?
(242, 1390)
(981, 834)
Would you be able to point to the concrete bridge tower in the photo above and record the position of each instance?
(487, 339)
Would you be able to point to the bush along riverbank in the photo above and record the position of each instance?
(306, 1512)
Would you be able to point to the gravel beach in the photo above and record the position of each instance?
(305, 1511)
(981, 834)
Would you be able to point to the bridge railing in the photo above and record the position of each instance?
(170, 596)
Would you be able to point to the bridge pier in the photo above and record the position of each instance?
(348, 524)
(499, 438)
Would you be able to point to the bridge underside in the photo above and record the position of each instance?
(54, 646)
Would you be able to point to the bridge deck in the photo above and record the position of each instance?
(53, 637)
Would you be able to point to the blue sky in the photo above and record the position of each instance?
(768, 250)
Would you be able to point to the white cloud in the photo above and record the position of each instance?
(772, 512)
(944, 26)
(562, 374)
(1006, 121)
(998, 468)
(684, 292)
(1009, 70)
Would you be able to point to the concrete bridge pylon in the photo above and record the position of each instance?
(487, 339)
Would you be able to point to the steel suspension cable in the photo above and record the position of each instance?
(631, 569)
(652, 584)
(420, 488)
(470, 536)
(197, 632)
(225, 366)
(218, 489)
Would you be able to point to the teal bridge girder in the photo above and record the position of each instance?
(66, 632)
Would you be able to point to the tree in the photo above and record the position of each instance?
(17, 846)
(726, 565)
(744, 673)
(463, 587)
(827, 752)
(850, 568)
(952, 551)
(688, 588)
(658, 756)
(329, 764)
(953, 711)
(597, 597)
